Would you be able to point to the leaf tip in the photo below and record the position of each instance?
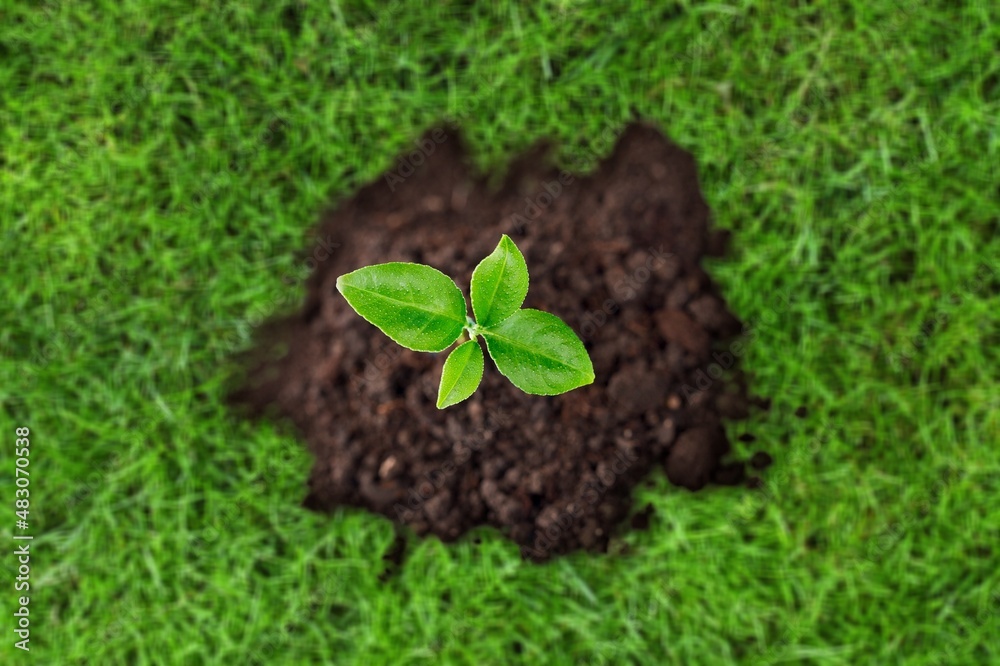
(443, 402)
(340, 283)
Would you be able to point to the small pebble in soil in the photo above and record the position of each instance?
(695, 455)
(636, 390)
(666, 432)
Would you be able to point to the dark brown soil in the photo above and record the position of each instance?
(616, 255)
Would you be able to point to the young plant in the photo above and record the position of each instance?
(423, 309)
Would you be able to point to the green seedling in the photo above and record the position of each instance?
(423, 309)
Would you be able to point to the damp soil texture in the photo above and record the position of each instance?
(616, 254)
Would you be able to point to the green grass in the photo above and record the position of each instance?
(851, 148)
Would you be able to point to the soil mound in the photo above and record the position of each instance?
(616, 255)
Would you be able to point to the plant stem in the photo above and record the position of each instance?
(471, 328)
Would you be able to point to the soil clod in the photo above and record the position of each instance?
(695, 455)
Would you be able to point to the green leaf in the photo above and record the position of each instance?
(419, 307)
(499, 284)
(463, 370)
(539, 353)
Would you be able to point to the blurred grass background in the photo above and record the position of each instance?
(163, 163)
